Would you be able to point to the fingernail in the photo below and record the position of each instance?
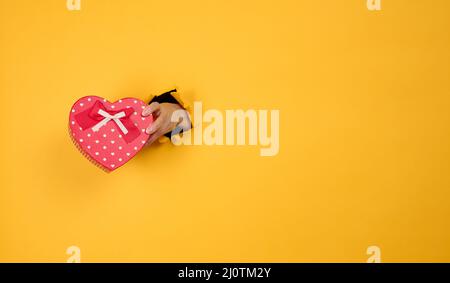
(149, 130)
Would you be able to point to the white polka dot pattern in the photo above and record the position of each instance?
(107, 147)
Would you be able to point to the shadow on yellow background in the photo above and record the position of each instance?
(364, 134)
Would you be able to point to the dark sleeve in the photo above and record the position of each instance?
(168, 98)
(165, 98)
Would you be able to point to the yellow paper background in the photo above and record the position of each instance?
(364, 134)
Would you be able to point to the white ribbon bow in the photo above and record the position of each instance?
(108, 118)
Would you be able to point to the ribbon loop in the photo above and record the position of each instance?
(109, 117)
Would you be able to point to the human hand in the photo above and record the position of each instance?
(162, 115)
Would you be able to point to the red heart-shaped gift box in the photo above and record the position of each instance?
(109, 134)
